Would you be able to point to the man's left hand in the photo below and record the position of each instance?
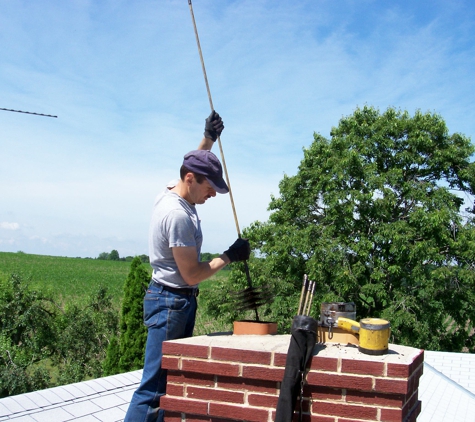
(213, 126)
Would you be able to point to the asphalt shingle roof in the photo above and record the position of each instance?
(100, 400)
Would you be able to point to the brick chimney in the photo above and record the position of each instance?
(219, 378)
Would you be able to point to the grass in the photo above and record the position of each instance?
(73, 280)
(68, 279)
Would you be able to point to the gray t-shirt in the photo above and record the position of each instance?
(175, 223)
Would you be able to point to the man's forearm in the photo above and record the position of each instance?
(205, 270)
(206, 143)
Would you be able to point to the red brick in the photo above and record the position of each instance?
(258, 386)
(206, 367)
(308, 418)
(268, 373)
(241, 413)
(173, 404)
(200, 418)
(345, 410)
(324, 364)
(191, 378)
(215, 395)
(280, 359)
(418, 360)
(396, 386)
(362, 367)
(391, 415)
(409, 406)
(244, 356)
(399, 370)
(170, 363)
(175, 376)
(319, 418)
(379, 399)
(175, 390)
(414, 413)
(172, 417)
(189, 350)
(324, 379)
(324, 393)
(262, 400)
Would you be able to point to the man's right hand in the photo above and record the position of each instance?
(213, 126)
(240, 250)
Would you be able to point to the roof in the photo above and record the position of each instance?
(100, 400)
(446, 389)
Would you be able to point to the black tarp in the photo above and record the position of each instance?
(302, 342)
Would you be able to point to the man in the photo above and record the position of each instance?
(174, 245)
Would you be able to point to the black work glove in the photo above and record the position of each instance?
(213, 126)
(240, 250)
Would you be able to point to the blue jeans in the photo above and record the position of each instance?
(168, 316)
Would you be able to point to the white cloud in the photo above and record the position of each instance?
(9, 226)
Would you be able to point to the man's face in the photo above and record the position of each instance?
(201, 192)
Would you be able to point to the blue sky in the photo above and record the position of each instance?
(125, 80)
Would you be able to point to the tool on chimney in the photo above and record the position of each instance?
(252, 297)
(306, 296)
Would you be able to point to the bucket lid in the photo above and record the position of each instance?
(374, 324)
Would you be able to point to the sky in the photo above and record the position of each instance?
(124, 79)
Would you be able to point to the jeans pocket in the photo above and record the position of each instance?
(158, 303)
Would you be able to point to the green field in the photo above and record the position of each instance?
(69, 279)
(72, 280)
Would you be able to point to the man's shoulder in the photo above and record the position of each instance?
(170, 201)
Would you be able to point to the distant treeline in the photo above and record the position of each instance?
(114, 256)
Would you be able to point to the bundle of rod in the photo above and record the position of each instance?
(306, 296)
(252, 297)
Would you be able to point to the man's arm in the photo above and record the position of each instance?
(206, 143)
(193, 271)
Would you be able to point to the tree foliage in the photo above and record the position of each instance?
(378, 215)
(126, 353)
(43, 343)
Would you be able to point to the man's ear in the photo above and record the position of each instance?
(189, 178)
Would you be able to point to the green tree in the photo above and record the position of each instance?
(114, 255)
(37, 332)
(376, 215)
(133, 334)
(83, 337)
(27, 336)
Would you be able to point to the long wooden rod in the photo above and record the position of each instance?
(212, 108)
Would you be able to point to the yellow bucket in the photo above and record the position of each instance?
(373, 334)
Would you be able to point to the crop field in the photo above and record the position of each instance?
(68, 279)
(73, 280)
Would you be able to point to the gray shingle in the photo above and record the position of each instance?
(57, 414)
(82, 408)
(444, 400)
(108, 401)
(459, 367)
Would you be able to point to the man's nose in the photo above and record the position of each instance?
(212, 192)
